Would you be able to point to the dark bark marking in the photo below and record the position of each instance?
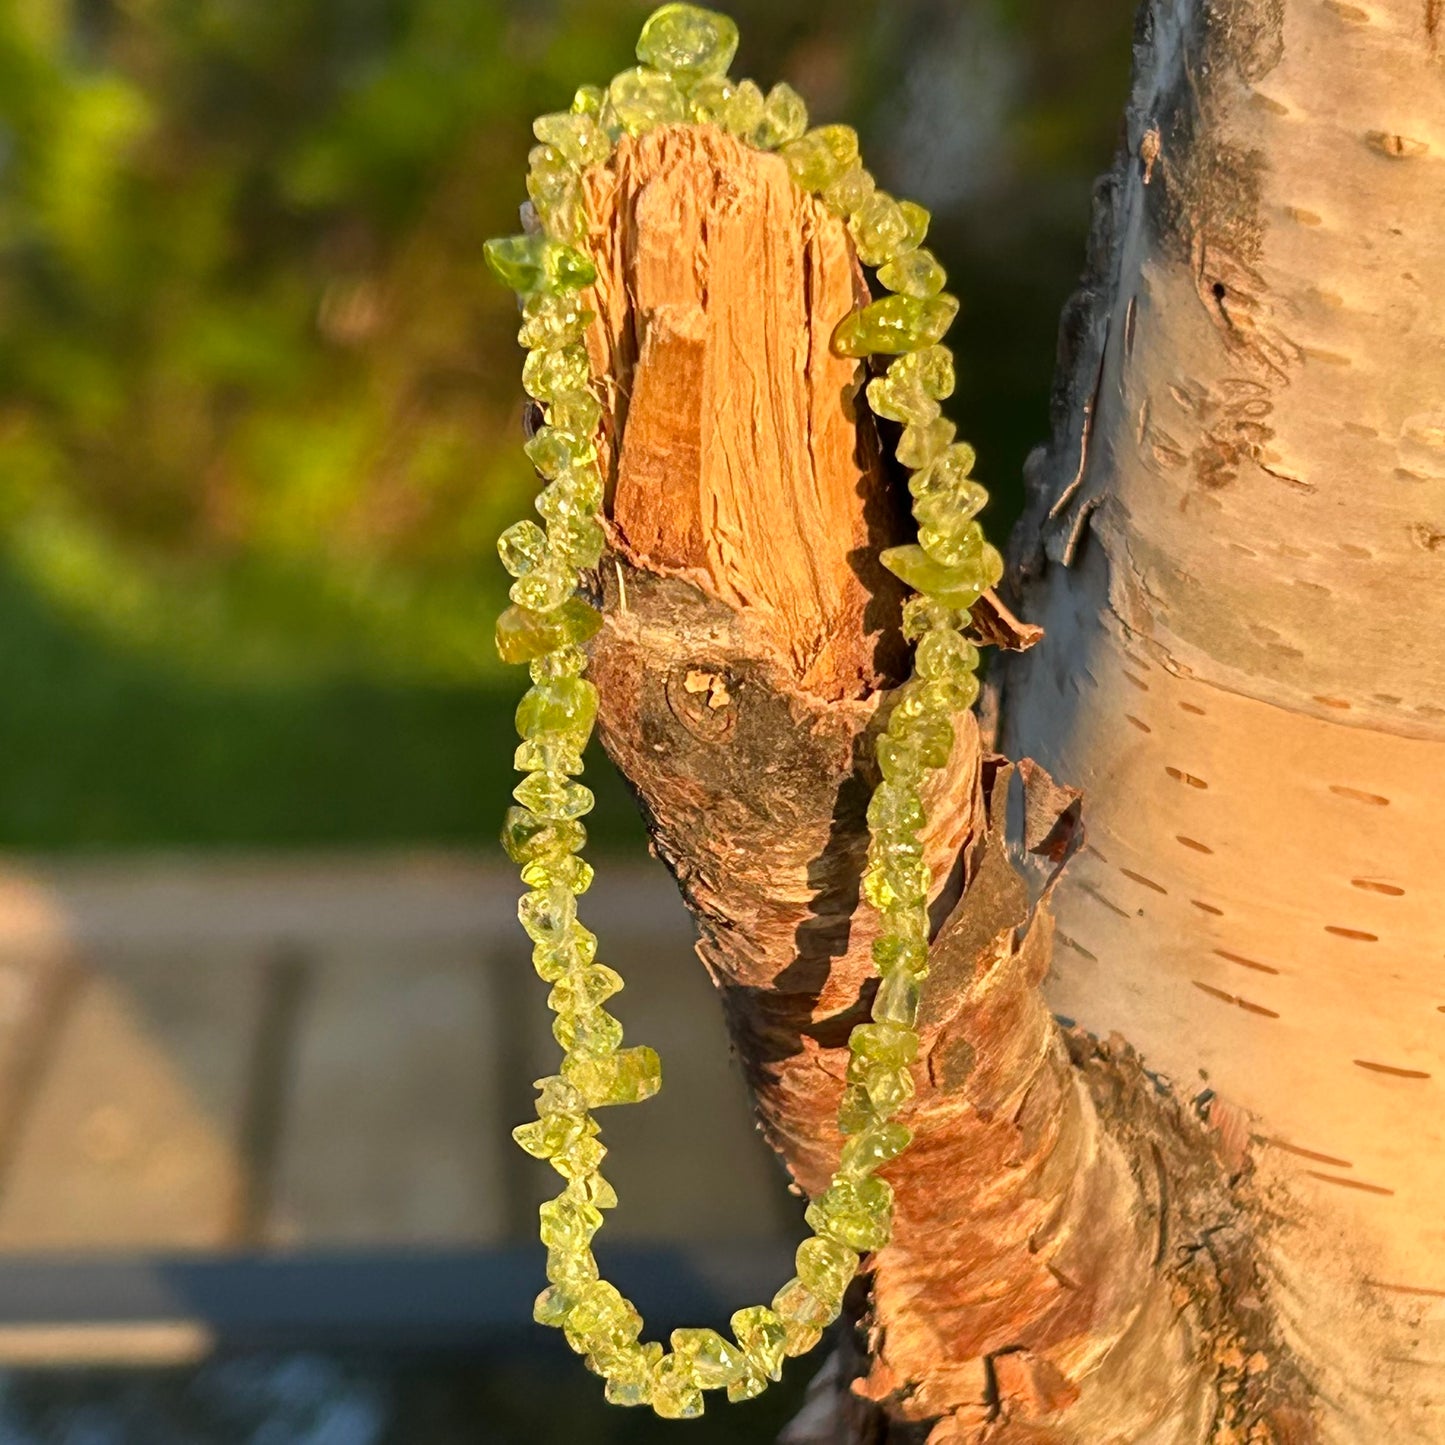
(1391, 1070)
(1313, 1154)
(1357, 795)
(1244, 962)
(1349, 1183)
(1180, 776)
(1146, 882)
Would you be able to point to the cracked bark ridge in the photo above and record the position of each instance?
(1032, 1291)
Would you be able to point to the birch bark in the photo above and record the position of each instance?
(1237, 547)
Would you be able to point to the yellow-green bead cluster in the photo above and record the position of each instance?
(684, 53)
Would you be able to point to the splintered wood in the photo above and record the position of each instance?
(748, 463)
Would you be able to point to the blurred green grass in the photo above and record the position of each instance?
(103, 748)
(259, 409)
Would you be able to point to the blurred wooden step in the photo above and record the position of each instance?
(211, 1054)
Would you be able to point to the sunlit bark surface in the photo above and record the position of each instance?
(1237, 547)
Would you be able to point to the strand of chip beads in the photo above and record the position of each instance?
(682, 79)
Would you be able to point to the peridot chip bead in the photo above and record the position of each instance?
(884, 1043)
(589, 1033)
(855, 1212)
(545, 586)
(601, 1319)
(526, 837)
(712, 1361)
(584, 989)
(879, 229)
(895, 324)
(674, 1394)
(909, 924)
(556, 1096)
(820, 157)
(743, 112)
(855, 1111)
(640, 99)
(874, 1147)
(576, 136)
(748, 1386)
(826, 1267)
(580, 1158)
(688, 42)
(914, 273)
(553, 1305)
(552, 795)
(554, 960)
(883, 888)
(898, 760)
(545, 1137)
(565, 660)
(850, 191)
(932, 368)
(550, 753)
(898, 998)
(923, 614)
(573, 497)
(568, 1223)
(521, 547)
(954, 546)
(577, 412)
(588, 100)
(888, 1088)
(555, 452)
(901, 399)
(550, 372)
(573, 1269)
(918, 218)
(579, 540)
(945, 653)
(575, 874)
(784, 118)
(761, 1333)
(923, 442)
(804, 1316)
(629, 1374)
(626, 1077)
(895, 807)
(553, 318)
(537, 263)
(523, 635)
(954, 588)
(944, 490)
(713, 101)
(547, 913)
(565, 704)
(551, 180)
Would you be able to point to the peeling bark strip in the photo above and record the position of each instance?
(1245, 669)
(1068, 1264)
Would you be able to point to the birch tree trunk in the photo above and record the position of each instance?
(1222, 1224)
(1237, 548)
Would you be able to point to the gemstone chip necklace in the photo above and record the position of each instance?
(685, 53)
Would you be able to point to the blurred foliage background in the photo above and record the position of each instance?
(259, 408)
